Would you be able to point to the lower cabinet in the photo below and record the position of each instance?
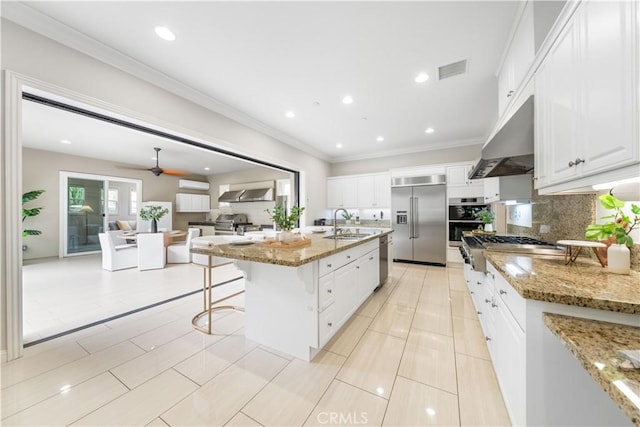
(346, 280)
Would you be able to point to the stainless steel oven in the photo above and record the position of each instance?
(462, 217)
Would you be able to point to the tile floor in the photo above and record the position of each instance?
(54, 302)
(413, 354)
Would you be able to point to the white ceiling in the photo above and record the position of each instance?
(43, 127)
(265, 58)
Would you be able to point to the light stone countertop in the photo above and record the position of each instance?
(291, 257)
(583, 283)
(595, 345)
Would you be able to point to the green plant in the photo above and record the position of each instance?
(621, 224)
(284, 221)
(153, 212)
(347, 215)
(486, 216)
(30, 212)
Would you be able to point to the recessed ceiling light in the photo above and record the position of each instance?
(338, 145)
(207, 168)
(429, 130)
(380, 138)
(164, 33)
(422, 77)
(290, 114)
(347, 99)
(65, 141)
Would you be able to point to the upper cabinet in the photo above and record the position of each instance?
(359, 191)
(517, 60)
(458, 183)
(586, 97)
(192, 202)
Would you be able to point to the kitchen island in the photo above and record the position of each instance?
(297, 298)
(544, 383)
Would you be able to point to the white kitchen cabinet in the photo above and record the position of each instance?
(518, 59)
(374, 191)
(458, 183)
(514, 187)
(359, 191)
(587, 94)
(342, 192)
(192, 202)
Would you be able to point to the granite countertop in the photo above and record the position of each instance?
(291, 257)
(595, 345)
(583, 283)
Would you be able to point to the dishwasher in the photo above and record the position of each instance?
(384, 260)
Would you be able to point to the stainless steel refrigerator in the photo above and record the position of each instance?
(419, 219)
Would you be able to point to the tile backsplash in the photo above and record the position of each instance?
(559, 217)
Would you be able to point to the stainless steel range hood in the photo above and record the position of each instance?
(231, 196)
(510, 151)
(257, 195)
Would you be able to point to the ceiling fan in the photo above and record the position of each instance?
(157, 170)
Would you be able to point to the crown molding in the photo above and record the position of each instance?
(40, 23)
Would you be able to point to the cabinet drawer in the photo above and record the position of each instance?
(335, 261)
(509, 297)
(326, 325)
(326, 291)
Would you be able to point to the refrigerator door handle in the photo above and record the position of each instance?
(410, 217)
(416, 216)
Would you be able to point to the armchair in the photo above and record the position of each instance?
(179, 252)
(117, 257)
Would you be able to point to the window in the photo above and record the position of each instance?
(133, 202)
(112, 201)
(76, 196)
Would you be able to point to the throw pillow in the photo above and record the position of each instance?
(123, 225)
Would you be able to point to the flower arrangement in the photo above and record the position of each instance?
(619, 227)
(486, 216)
(282, 220)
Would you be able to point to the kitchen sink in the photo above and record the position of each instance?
(348, 236)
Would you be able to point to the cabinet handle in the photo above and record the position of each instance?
(370, 258)
(471, 292)
(576, 162)
(358, 267)
(348, 256)
(328, 265)
(478, 312)
(491, 274)
(329, 324)
(487, 339)
(487, 300)
(503, 292)
(478, 283)
(494, 305)
(329, 291)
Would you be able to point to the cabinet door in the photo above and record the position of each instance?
(334, 193)
(457, 175)
(505, 84)
(366, 191)
(382, 184)
(346, 292)
(350, 192)
(563, 91)
(610, 93)
(491, 189)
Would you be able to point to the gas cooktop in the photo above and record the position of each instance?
(520, 244)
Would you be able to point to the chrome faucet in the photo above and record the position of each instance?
(335, 221)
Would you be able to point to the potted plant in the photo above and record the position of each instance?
(616, 233)
(487, 217)
(285, 223)
(347, 216)
(30, 212)
(153, 213)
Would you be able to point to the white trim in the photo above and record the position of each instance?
(12, 166)
(55, 30)
(3, 356)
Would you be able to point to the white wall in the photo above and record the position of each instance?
(382, 164)
(77, 75)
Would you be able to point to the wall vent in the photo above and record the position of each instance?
(452, 69)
